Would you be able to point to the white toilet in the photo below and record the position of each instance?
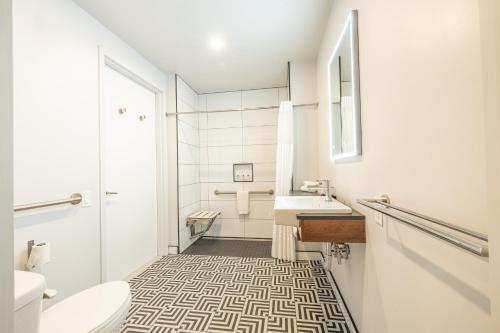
(100, 309)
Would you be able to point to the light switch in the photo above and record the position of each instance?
(379, 219)
(86, 198)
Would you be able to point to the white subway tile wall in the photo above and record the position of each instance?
(209, 144)
(236, 137)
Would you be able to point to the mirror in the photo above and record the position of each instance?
(343, 93)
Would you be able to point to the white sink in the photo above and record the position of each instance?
(287, 208)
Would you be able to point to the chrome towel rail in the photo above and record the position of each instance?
(74, 199)
(386, 208)
(466, 231)
(270, 192)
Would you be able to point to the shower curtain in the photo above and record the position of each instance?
(284, 237)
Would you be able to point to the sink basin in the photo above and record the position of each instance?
(287, 208)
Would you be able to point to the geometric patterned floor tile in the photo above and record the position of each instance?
(218, 294)
(281, 325)
(283, 308)
(224, 322)
(252, 324)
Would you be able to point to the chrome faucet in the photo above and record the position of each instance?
(327, 187)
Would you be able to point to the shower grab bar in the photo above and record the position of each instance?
(387, 209)
(235, 110)
(270, 192)
(74, 199)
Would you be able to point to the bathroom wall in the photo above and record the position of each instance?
(303, 92)
(489, 11)
(56, 133)
(188, 154)
(423, 126)
(239, 137)
(172, 238)
(209, 144)
(6, 223)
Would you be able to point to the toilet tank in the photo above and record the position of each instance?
(28, 293)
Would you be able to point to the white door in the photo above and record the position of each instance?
(129, 163)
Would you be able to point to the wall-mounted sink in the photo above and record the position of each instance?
(286, 208)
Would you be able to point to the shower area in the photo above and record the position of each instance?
(226, 162)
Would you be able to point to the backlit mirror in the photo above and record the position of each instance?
(343, 88)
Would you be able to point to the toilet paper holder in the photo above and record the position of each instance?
(38, 255)
(31, 243)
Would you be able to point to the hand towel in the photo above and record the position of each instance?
(242, 200)
(308, 189)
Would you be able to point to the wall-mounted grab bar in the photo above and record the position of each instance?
(466, 231)
(270, 192)
(74, 199)
(389, 210)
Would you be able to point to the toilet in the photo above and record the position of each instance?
(100, 309)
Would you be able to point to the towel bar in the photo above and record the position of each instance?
(384, 207)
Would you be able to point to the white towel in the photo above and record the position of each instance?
(242, 199)
(308, 189)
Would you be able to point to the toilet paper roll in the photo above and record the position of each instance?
(40, 255)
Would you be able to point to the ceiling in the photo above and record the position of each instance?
(260, 37)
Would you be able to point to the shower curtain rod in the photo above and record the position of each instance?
(234, 110)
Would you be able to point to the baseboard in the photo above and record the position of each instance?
(141, 269)
(350, 321)
(173, 249)
(308, 255)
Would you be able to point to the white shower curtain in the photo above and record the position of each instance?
(284, 238)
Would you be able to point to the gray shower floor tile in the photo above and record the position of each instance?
(230, 247)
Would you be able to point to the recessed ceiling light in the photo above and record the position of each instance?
(216, 43)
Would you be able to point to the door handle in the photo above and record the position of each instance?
(111, 193)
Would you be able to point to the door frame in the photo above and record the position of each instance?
(6, 170)
(107, 60)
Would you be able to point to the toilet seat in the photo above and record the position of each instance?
(100, 309)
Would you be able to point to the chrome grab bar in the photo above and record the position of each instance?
(387, 209)
(466, 231)
(270, 192)
(74, 199)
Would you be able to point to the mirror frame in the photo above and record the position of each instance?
(351, 26)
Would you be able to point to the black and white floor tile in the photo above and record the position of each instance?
(217, 294)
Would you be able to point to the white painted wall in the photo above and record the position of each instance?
(489, 11)
(303, 81)
(6, 191)
(56, 129)
(303, 91)
(423, 143)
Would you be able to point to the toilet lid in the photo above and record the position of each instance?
(89, 311)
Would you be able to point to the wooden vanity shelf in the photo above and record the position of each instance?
(339, 228)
